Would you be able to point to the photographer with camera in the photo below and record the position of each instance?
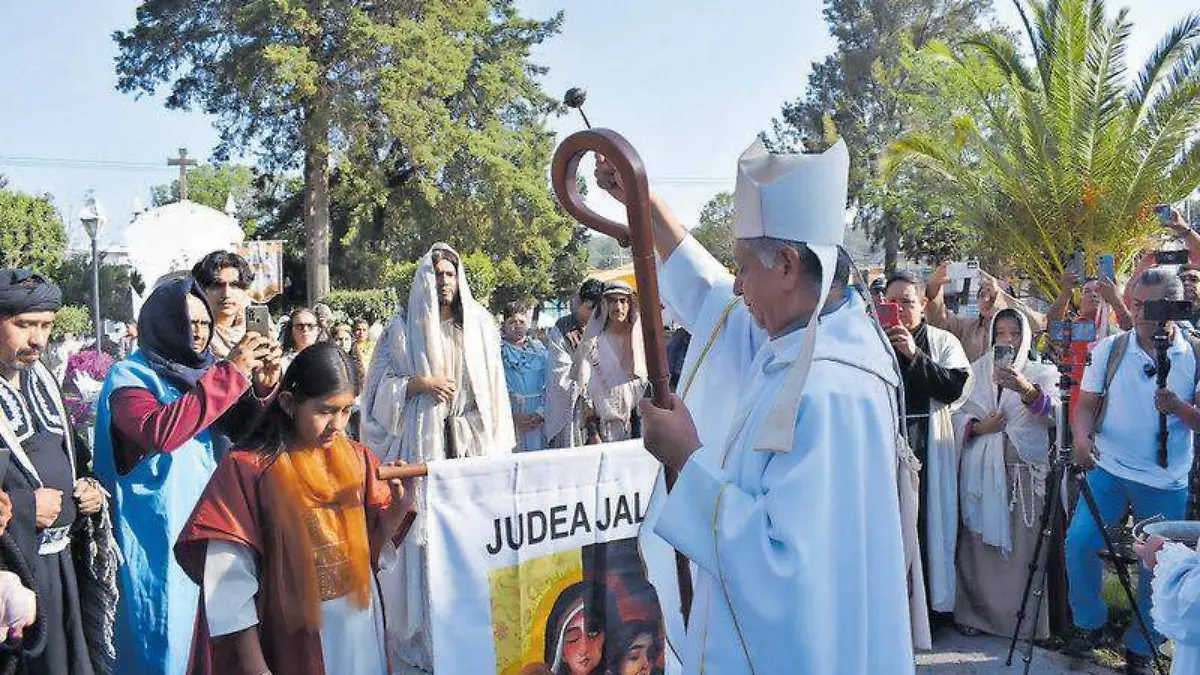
(1117, 442)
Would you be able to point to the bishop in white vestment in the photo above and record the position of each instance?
(786, 502)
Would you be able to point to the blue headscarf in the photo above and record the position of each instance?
(165, 334)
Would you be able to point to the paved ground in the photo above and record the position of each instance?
(957, 655)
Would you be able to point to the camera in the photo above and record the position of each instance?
(1078, 331)
(1171, 257)
(1167, 310)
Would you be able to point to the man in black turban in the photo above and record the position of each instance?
(44, 478)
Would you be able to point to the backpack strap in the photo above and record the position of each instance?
(1120, 344)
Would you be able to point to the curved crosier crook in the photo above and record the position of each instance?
(639, 237)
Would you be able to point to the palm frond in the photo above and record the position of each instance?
(1004, 55)
(1163, 57)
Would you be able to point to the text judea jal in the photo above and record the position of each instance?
(563, 521)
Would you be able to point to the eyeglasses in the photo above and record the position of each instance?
(305, 326)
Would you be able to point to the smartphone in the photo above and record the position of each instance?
(1075, 265)
(1004, 355)
(1107, 266)
(1083, 331)
(1178, 257)
(888, 313)
(1164, 214)
(1060, 331)
(258, 320)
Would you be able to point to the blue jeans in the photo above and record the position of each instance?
(1085, 569)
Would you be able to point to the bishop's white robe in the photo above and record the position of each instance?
(798, 559)
(1176, 604)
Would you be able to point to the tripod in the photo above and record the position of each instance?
(1061, 463)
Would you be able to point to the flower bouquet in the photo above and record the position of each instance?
(84, 378)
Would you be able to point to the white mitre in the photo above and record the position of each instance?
(799, 198)
(795, 197)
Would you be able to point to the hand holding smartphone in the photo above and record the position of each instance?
(258, 320)
(888, 313)
(1106, 264)
(1004, 355)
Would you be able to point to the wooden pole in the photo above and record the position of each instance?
(392, 472)
(639, 237)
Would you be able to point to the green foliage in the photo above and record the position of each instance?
(1065, 155)
(715, 231)
(31, 231)
(863, 86)
(430, 112)
(212, 185)
(373, 305)
(74, 277)
(72, 320)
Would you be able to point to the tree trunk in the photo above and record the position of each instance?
(316, 199)
(891, 242)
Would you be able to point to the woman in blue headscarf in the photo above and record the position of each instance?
(165, 416)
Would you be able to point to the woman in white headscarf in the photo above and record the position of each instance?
(610, 366)
(1004, 431)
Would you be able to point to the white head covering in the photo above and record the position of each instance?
(800, 198)
(986, 504)
(589, 343)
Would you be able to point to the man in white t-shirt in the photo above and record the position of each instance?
(1121, 456)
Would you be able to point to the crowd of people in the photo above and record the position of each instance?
(199, 406)
(227, 517)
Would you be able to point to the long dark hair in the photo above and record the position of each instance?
(623, 640)
(317, 372)
(600, 613)
(437, 256)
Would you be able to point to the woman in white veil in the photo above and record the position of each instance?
(1004, 432)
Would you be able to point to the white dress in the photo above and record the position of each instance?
(352, 639)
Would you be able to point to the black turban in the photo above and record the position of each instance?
(23, 291)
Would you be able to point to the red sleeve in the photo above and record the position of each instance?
(149, 426)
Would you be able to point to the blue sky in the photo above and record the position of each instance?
(689, 83)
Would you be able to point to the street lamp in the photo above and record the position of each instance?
(92, 217)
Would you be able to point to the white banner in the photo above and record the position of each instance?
(534, 564)
(266, 259)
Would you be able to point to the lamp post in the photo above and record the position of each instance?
(92, 217)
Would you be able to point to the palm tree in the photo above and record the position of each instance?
(1069, 154)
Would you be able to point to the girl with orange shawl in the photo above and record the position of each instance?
(288, 535)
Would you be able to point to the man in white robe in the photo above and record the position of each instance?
(937, 380)
(610, 367)
(564, 397)
(435, 390)
(791, 519)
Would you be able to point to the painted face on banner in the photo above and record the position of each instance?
(638, 659)
(582, 647)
